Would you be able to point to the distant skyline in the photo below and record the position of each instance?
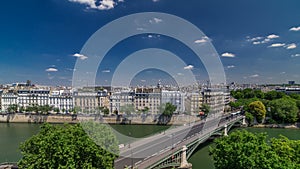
(257, 41)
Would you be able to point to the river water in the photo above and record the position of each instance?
(12, 134)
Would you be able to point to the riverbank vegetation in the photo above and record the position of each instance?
(267, 107)
(244, 150)
(89, 145)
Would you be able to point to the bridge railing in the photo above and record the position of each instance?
(156, 159)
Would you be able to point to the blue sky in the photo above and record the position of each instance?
(258, 41)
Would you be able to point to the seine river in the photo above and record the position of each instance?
(12, 134)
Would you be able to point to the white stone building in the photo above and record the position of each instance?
(174, 97)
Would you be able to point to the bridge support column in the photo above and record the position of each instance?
(184, 164)
(225, 130)
(244, 121)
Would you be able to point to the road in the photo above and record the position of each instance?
(147, 147)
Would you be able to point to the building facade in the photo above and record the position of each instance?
(174, 97)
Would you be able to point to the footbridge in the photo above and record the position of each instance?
(172, 148)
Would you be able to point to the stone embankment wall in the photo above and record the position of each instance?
(33, 118)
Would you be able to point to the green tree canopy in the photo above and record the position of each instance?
(13, 108)
(245, 150)
(284, 110)
(169, 109)
(66, 146)
(205, 108)
(272, 95)
(258, 109)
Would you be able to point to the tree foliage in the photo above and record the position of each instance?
(245, 150)
(13, 108)
(205, 108)
(67, 146)
(258, 109)
(249, 118)
(284, 110)
(169, 109)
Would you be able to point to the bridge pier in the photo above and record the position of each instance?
(225, 130)
(244, 121)
(184, 164)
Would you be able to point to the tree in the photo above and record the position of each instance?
(246, 150)
(102, 135)
(238, 94)
(284, 110)
(249, 118)
(205, 108)
(45, 109)
(76, 109)
(13, 108)
(248, 93)
(272, 95)
(169, 109)
(258, 109)
(166, 111)
(22, 109)
(145, 110)
(56, 110)
(106, 111)
(65, 146)
(259, 94)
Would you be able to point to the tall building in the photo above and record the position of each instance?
(62, 100)
(8, 99)
(86, 101)
(174, 97)
(120, 99)
(193, 102)
(148, 98)
(32, 97)
(216, 98)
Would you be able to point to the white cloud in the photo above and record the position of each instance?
(274, 45)
(101, 5)
(189, 67)
(51, 69)
(291, 46)
(230, 66)
(106, 4)
(282, 73)
(254, 39)
(272, 36)
(227, 54)
(106, 71)
(155, 0)
(295, 55)
(204, 39)
(80, 56)
(295, 29)
(262, 40)
(89, 3)
(266, 40)
(155, 20)
(253, 76)
(180, 74)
